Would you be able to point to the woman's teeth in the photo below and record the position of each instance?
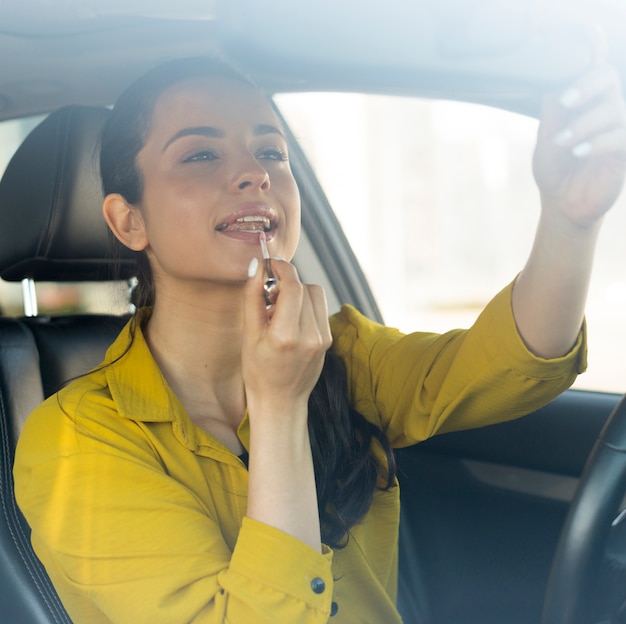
(247, 224)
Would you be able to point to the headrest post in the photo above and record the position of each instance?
(29, 296)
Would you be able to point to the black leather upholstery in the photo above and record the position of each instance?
(51, 225)
(51, 228)
(69, 346)
(26, 594)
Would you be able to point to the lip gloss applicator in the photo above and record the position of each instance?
(270, 287)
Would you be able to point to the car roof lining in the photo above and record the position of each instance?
(488, 53)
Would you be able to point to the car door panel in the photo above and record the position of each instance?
(483, 509)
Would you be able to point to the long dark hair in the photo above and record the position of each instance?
(347, 472)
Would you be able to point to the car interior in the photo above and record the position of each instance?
(509, 523)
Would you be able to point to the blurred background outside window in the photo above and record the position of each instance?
(438, 201)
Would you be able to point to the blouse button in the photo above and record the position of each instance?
(334, 607)
(318, 585)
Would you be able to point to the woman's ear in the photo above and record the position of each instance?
(125, 221)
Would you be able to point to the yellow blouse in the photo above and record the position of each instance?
(140, 516)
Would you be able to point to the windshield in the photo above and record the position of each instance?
(439, 204)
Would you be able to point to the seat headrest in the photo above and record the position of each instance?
(51, 223)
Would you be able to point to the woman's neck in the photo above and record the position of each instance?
(196, 341)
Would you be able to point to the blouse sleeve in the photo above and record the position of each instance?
(121, 538)
(421, 384)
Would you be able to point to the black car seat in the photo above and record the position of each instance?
(51, 229)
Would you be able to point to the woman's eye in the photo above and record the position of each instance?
(201, 156)
(273, 154)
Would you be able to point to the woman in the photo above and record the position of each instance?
(134, 478)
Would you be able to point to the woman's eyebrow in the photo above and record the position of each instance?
(263, 129)
(208, 131)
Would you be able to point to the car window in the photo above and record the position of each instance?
(439, 204)
(53, 298)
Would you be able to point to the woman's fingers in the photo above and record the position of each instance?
(284, 352)
(255, 313)
(595, 98)
(288, 305)
(320, 310)
(593, 84)
(597, 122)
(289, 286)
(300, 314)
(607, 115)
(613, 143)
(298, 305)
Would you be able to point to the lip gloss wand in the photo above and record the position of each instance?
(270, 287)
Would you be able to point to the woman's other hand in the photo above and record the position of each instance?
(580, 158)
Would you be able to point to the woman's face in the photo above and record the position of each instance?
(216, 172)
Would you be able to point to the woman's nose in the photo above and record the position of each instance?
(251, 174)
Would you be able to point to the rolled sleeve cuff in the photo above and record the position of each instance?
(507, 339)
(268, 557)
